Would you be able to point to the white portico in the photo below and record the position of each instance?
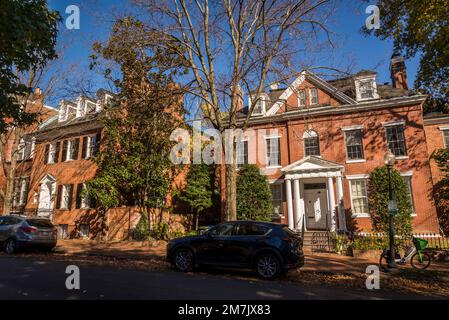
(310, 194)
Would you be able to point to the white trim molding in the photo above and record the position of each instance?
(357, 176)
(393, 123)
(350, 128)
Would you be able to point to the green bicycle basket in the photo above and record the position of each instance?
(421, 244)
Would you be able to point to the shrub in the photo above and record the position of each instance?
(378, 198)
(254, 200)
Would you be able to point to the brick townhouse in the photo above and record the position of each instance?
(321, 139)
(23, 142)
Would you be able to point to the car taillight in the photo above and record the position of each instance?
(28, 229)
(288, 240)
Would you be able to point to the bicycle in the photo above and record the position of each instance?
(416, 255)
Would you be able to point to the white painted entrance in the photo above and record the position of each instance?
(315, 197)
(46, 196)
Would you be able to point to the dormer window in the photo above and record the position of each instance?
(260, 106)
(90, 107)
(301, 98)
(366, 88)
(313, 96)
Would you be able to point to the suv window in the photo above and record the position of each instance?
(40, 223)
(250, 229)
(222, 230)
(10, 221)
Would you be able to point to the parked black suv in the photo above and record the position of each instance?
(268, 248)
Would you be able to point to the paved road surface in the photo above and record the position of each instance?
(29, 278)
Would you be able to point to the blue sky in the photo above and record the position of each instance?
(362, 52)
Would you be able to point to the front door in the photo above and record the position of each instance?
(46, 198)
(315, 198)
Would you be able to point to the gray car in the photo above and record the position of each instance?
(18, 231)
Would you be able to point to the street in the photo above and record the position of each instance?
(34, 278)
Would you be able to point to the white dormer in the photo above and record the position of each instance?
(67, 111)
(261, 104)
(366, 87)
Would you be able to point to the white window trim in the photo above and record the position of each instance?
(356, 160)
(357, 82)
(267, 137)
(310, 97)
(353, 128)
(262, 100)
(33, 147)
(22, 191)
(393, 123)
(402, 158)
(64, 194)
(280, 183)
(443, 129)
(51, 153)
(84, 200)
(358, 177)
(409, 174)
(299, 98)
(21, 150)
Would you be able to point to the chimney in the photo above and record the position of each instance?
(398, 71)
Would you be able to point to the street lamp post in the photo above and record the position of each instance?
(390, 159)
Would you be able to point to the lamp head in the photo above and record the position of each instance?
(389, 159)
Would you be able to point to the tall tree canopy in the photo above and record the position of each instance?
(28, 31)
(421, 27)
(134, 163)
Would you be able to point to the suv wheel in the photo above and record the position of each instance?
(10, 246)
(184, 260)
(267, 266)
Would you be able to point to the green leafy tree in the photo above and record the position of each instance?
(134, 159)
(28, 31)
(199, 190)
(378, 198)
(441, 189)
(421, 28)
(254, 199)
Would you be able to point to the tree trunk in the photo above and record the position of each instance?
(231, 194)
(196, 220)
(10, 171)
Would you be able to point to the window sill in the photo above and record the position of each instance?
(402, 158)
(356, 161)
(361, 215)
(274, 167)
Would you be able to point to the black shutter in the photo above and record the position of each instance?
(58, 197)
(97, 143)
(84, 148)
(47, 152)
(56, 155)
(75, 149)
(64, 151)
(70, 192)
(79, 189)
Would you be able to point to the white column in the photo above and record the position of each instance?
(331, 197)
(298, 216)
(341, 206)
(288, 190)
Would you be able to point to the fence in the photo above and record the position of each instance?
(435, 241)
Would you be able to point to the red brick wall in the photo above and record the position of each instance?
(332, 147)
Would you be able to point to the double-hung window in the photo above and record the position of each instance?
(359, 197)
(273, 151)
(354, 144)
(311, 143)
(242, 153)
(396, 140)
(313, 96)
(276, 193)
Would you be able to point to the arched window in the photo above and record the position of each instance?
(311, 143)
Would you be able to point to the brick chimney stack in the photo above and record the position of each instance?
(398, 71)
